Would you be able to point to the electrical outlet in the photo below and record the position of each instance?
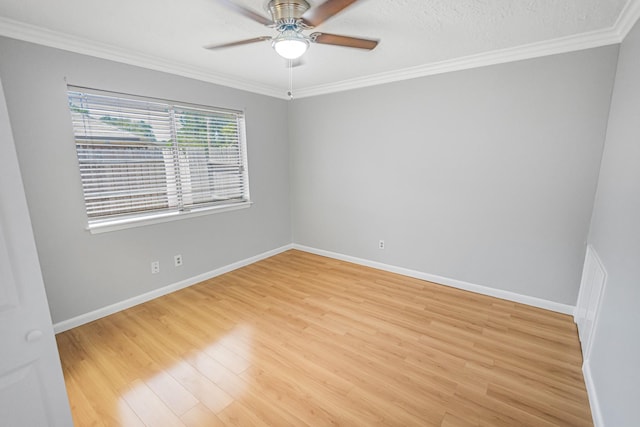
(177, 260)
(381, 244)
(155, 267)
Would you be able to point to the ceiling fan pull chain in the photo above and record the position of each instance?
(290, 93)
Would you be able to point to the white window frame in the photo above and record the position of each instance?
(176, 166)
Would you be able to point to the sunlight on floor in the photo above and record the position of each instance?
(209, 376)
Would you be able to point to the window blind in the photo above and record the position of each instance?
(139, 157)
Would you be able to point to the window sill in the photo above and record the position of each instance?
(122, 224)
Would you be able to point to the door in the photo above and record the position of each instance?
(32, 391)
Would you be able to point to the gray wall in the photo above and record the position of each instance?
(84, 272)
(615, 235)
(485, 175)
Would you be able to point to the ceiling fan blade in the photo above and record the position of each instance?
(317, 15)
(238, 43)
(229, 4)
(334, 39)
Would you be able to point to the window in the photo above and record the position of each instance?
(145, 158)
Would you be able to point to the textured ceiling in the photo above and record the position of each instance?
(417, 36)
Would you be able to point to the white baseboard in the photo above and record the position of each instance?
(123, 305)
(454, 283)
(596, 413)
(484, 290)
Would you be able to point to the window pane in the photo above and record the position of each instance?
(139, 156)
(211, 159)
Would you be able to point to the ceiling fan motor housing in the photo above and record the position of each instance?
(287, 10)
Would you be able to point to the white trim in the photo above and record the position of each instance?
(592, 260)
(123, 305)
(626, 20)
(589, 299)
(114, 225)
(484, 290)
(534, 50)
(594, 403)
(34, 34)
(454, 283)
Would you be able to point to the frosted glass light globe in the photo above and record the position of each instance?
(290, 44)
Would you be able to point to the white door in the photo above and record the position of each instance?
(32, 392)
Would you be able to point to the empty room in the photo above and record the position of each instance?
(320, 212)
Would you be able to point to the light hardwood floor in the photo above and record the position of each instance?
(299, 339)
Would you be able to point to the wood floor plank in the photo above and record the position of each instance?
(238, 414)
(81, 406)
(201, 416)
(299, 339)
(230, 360)
(203, 389)
(172, 393)
(304, 407)
(149, 407)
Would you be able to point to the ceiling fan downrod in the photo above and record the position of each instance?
(287, 10)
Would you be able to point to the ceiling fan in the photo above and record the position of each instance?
(290, 18)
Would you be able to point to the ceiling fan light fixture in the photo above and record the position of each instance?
(290, 44)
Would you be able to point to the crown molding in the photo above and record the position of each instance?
(628, 18)
(614, 35)
(31, 33)
(519, 53)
